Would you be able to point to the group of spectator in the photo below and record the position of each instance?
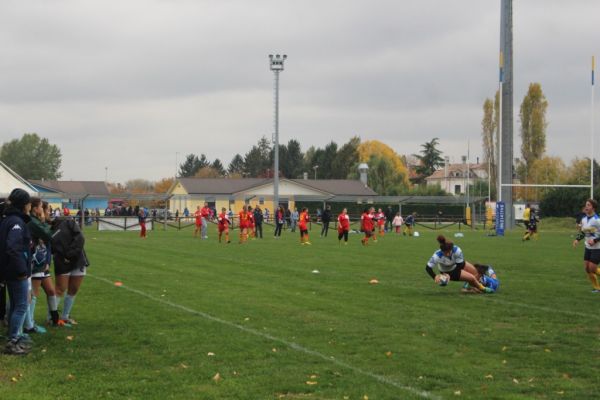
(32, 238)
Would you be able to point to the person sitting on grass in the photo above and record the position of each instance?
(450, 260)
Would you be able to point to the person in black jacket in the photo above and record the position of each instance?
(70, 263)
(325, 219)
(15, 266)
(258, 221)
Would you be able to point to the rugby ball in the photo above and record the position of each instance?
(444, 279)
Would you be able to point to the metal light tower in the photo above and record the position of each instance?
(276, 64)
(505, 170)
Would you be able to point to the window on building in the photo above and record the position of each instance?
(457, 189)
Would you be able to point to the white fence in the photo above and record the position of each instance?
(122, 224)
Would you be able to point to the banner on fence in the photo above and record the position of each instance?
(500, 218)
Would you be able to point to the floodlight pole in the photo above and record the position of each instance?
(505, 173)
(276, 65)
(592, 133)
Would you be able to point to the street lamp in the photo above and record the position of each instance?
(315, 168)
(276, 65)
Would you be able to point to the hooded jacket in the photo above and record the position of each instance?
(15, 246)
(67, 246)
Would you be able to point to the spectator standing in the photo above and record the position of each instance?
(267, 215)
(41, 235)
(258, 221)
(279, 217)
(70, 263)
(325, 219)
(389, 218)
(295, 217)
(397, 222)
(15, 258)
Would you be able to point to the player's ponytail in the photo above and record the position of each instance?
(444, 245)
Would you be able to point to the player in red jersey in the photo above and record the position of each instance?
(380, 218)
(251, 231)
(243, 224)
(198, 215)
(223, 225)
(303, 225)
(366, 225)
(343, 226)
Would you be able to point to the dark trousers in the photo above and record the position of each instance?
(278, 229)
(2, 301)
(325, 228)
(343, 234)
(258, 230)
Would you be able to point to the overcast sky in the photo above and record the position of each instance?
(128, 84)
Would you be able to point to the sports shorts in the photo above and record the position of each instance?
(592, 255)
(455, 273)
(76, 272)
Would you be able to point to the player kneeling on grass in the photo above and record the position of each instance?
(451, 262)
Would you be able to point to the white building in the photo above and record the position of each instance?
(10, 180)
(454, 178)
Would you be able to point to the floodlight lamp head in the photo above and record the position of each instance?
(277, 62)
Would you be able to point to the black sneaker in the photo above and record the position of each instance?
(13, 347)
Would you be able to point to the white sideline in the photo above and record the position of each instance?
(292, 345)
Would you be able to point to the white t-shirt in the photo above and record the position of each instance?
(590, 226)
(446, 264)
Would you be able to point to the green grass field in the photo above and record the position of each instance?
(256, 315)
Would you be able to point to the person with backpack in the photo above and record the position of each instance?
(15, 267)
(70, 263)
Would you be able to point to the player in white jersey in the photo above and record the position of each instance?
(590, 231)
(451, 261)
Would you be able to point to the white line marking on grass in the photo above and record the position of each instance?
(292, 345)
(540, 308)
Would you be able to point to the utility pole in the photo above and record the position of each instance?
(276, 64)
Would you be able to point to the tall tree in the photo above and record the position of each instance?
(489, 136)
(430, 159)
(533, 125)
(257, 160)
(236, 166)
(139, 186)
(190, 166)
(218, 166)
(32, 157)
(163, 185)
(370, 148)
(207, 172)
(345, 159)
(295, 159)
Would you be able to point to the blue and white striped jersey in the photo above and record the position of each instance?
(590, 227)
(446, 264)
